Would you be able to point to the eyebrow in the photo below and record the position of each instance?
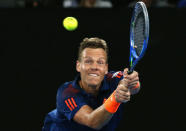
(91, 57)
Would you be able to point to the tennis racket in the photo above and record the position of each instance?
(139, 34)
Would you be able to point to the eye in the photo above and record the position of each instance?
(88, 61)
(101, 62)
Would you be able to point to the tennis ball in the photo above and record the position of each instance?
(70, 23)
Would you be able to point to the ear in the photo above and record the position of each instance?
(78, 66)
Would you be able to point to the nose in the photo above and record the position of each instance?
(94, 66)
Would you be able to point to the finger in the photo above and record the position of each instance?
(128, 82)
(134, 86)
(122, 93)
(128, 93)
(134, 80)
(133, 83)
(130, 76)
(125, 72)
(121, 88)
(121, 98)
(133, 76)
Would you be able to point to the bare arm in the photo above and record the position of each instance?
(99, 117)
(93, 118)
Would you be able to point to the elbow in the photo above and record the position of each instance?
(94, 125)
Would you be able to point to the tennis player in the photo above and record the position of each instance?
(95, 99)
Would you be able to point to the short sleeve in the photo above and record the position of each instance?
(114, 78)
(69, 101)
(117, 76)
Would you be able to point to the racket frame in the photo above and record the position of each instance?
(134, 58)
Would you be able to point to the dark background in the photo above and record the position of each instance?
(37, 55)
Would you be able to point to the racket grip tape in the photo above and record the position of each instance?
(130, 72)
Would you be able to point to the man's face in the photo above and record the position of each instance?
(93, 66)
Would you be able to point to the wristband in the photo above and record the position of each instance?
(111, 105)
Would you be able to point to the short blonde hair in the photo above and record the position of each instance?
(92, 43)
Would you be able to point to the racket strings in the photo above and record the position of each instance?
(139, 33)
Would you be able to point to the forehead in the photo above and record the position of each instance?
(94, 53)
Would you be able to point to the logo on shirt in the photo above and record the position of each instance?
(71, 104)
(117, 74)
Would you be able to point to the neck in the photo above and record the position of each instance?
(89, 89)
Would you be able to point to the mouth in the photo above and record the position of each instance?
(93, 74)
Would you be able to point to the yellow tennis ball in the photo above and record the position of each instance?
(70, 23)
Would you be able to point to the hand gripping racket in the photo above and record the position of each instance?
(139, 34)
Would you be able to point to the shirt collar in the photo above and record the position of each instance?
(75, 83)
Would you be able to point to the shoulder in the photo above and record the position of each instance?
(67, 90)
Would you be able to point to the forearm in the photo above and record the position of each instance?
(93, 118)
(99, 117)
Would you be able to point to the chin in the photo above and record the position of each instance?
(93, 84)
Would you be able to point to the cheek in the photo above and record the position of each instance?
(104, 71)
(83, 67)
